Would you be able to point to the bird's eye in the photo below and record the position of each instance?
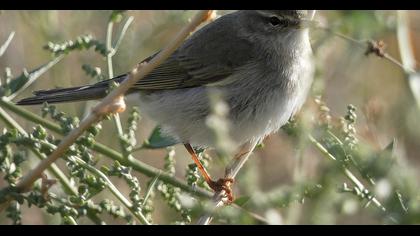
(274, 20)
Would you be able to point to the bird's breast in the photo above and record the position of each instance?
(267, 99)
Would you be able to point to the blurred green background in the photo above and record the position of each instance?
(344, 76)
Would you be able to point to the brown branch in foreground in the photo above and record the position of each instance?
(112, 102)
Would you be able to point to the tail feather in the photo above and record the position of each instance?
(57, 90)
(81, 93)
(67, 96)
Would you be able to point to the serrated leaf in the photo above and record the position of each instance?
(158, 140)
(242, 200)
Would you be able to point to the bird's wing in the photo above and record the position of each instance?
(180, 71)
(210, 55)
(186, 71)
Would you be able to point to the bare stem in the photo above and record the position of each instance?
(122, 34)
(111, 53)
(6, 44)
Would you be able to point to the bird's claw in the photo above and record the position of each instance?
(224, 184)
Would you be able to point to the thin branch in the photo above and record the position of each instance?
(121, 35)
(10, 122)
(109, 48)
(6, 44)
(111, 53)
(150, 189)
(321, 148)
(113, 101)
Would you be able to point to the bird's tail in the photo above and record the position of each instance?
(82, 93)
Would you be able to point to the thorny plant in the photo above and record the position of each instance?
(78, 187)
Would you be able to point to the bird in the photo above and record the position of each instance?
(260, 61)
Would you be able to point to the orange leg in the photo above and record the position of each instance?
(217, 186)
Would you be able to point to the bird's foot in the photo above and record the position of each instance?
(225, 185)
(115, 107)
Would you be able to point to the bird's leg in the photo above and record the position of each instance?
(217, 186)
(241, 156)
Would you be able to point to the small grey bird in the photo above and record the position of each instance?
(260, 60)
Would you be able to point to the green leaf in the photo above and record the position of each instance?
(158, 140)
(242, 200)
